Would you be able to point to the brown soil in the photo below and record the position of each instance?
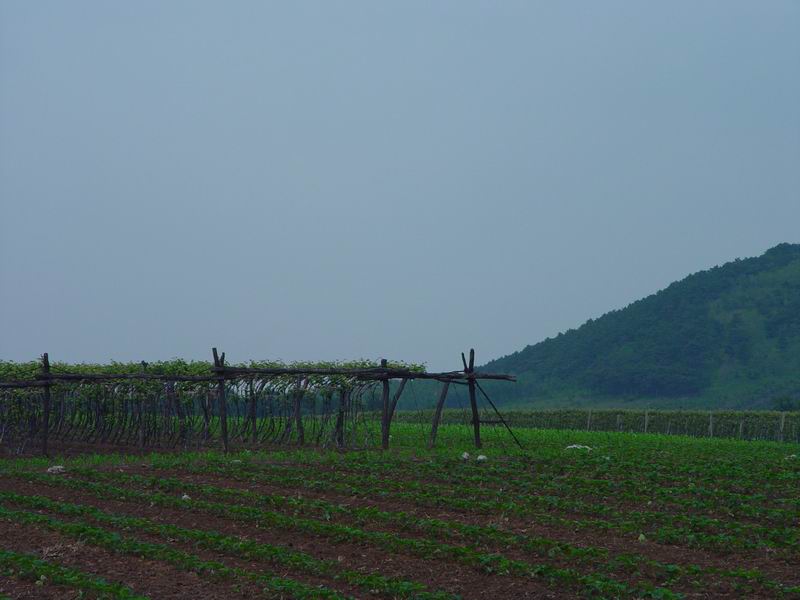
(783, 571)
(19, 589)
(449, 576)
(441, 573)
(147, 577)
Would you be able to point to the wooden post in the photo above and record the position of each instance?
(298, 413)
(710, 424)
(783, 423)
(437, 416)
(393, 405)
(385, 410)
(344, 396)
(646, 419)
(140, 403)
(473, 402)
(589, 421)
(219, 362)
(206, 404)
(253, 414)
(46, 411)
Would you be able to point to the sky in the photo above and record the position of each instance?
(334, 180)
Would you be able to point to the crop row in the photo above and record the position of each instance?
(237, 546)
(477, 535)
(125, 545)
(747, 425)
(749, 483)
(690, 494)
(610, 470)
(667, 574)
(693, 530)
(30, 567)
(591, 584)
(558, 493)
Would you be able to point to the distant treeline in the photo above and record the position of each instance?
(744, 425)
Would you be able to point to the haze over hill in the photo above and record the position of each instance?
(725, 337)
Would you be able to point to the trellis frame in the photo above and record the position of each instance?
(222, 373)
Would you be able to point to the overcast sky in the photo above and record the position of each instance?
(321, 180)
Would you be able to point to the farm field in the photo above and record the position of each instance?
(635, 516)
(742, 425)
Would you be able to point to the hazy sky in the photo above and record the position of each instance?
(319, 180)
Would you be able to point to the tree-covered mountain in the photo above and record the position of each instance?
(725, 337)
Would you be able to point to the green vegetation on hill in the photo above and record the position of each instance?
(725, 337)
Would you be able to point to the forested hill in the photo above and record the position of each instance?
(726, 337)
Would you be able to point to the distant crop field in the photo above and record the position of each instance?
(735, 424)
(617, 515)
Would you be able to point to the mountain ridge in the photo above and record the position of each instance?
(725, 337)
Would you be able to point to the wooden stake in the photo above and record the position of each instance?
(344, 396)
(46, 412)
(253, 415)
(473, 401)
(140, 404)
(298, 413)
(385, 409)
(219, 362)
(395, 399)
(438, 414)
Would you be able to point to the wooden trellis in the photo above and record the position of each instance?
(222, 373)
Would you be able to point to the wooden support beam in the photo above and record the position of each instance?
(253, 414)
(391, 409)
(46, 411)
(473, 401)
(364, 374)
(344, 397)
(298, 413)
(395, 399)
(140, 409)
(219, 362)
(437, 416)
(239, 373)
(384, 410)
(499, 416)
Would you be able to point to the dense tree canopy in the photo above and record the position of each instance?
(729, 336)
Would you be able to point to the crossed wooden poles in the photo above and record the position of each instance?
(222, 372)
